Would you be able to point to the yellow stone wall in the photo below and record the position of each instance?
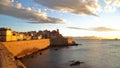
(8, 38)
(14, 38)
(20, 37)
(22, 48)
(8, 32)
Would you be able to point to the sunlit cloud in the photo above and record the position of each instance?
(18, 5)
(108, 1)
(5, 2)
(77, 28)
(97, 29)
(73, 6)
(108, 8)
(28, 8)
(53, 20)
(103, 29)
(7, 8)
(116, 3)
(111, 5)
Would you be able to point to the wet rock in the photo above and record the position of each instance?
(55, 49)
(40, 53)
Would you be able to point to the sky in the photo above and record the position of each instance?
(72, 17)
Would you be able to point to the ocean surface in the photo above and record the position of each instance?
(94, 54)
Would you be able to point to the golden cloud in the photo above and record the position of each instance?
(108, 8)
(73, 6)
(7, 8)
(98, 29)
(116, 3)
(103, 29)
(108, 1)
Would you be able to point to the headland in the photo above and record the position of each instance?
(20, 44)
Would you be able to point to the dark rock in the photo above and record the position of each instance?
(56, 49)
(20, 66)
(32, 56)
(40, 53)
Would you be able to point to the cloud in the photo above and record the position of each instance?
(111, 5)
(103, 29)
(108, 8)
(116, 3)
(108, 1)
(53, 20)
(18, 5)
(6, 2)
(7, 8)
(98, 29)
(77, 28)
(73, 6)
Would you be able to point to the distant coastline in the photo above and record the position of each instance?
(93, 38)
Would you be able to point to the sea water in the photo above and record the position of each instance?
(94, 54)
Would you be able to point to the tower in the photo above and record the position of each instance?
(57, 30)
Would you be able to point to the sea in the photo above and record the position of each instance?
(93, 54)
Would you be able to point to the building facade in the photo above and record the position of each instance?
(9, 35)
(55, 37)
(5, 34)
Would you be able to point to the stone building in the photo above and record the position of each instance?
(9, 35)
(5, 34)
(20, 36)
(56, 39)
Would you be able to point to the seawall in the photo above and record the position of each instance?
(22, 48)
(7, 60)
(61, 42)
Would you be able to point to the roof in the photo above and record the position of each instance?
(4, 29)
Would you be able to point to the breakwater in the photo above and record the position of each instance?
(23, 48)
